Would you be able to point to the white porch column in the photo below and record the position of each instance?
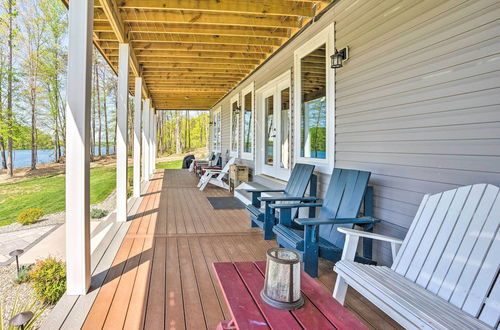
(122, 133)
(137, 136)
(81, 14)
(153, 143)
(150, 140)
(145, 140)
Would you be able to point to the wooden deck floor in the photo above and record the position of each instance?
(162, 277)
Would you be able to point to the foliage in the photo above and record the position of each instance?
(32, 305)
(49, 192)
(98, 213)
(186, 129)
(29, 216)
(175, 164)
(49, 279)
(24, 274)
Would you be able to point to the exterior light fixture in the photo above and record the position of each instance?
(21, 320)
(16, 253)
(339, 57)
(282, 283)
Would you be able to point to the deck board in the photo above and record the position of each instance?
(162, 275)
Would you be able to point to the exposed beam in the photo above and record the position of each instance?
(198, 47)
(263, 7)
(187, 17)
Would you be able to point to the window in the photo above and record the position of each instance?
(235, 119)
(313, 104)
(247, 124)
(314, 90)
(217, 130)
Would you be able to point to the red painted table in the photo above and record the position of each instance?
(242, 282)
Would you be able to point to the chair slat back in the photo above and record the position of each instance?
(299, 179)
(225, 170)
(215, 159)
(342, 200)
(452, 247)
(210, 156)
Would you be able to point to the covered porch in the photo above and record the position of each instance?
(162, 274)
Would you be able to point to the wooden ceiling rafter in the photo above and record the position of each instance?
(191, 53)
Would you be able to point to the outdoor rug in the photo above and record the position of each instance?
(226, 203)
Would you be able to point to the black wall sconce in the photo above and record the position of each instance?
(339, 57)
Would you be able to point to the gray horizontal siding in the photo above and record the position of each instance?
(418, 102)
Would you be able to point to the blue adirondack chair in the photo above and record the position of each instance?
(340, 208)
(302, 176)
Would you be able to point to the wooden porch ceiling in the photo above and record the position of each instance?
(192, 52)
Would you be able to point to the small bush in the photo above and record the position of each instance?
(30, 216)
(98, 213)
(49, 279)
(24, 274)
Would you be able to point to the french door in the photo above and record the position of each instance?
(275, 126)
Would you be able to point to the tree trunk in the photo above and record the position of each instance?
(10, 160)
(178, 146)
(2, 142)
(106, 133)
(33, 130)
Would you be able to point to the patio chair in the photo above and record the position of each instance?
(445, 272)
(209, 175)
(302, 176)
(202, 162)
(214, 164)
(198, 162)
(318, 237)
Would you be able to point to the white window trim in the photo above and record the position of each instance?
(235, 98)
(326, 36)
(248, 89)
(216, 111)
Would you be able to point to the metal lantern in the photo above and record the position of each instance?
(282, 283)
(339, 57)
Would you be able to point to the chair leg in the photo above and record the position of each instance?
(340, 289)
(269, 223)
(205, 182)
(311, 251)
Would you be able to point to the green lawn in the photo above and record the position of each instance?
(175, 164)
(48, 194)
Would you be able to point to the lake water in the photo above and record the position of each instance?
(22, 158)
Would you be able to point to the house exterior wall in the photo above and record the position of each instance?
(417, 103)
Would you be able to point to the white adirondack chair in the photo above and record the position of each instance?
(444, 274)
(209, 176)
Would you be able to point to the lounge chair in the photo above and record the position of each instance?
(445, 272)
(302, 175)
(215, 176)
(340, 208)
(199, 162)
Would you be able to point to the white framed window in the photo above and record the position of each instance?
(217, 130)
(235, 126)
(247, 121)
(314, 104)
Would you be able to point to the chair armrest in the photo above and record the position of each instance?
(291, 206)
(264, 190)
(287, 198)
(337, 221)
(352, 238)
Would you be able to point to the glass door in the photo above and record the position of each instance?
(276, 123)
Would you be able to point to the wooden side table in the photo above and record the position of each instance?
(237, 175)
(241, 283)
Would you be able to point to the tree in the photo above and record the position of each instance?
(33, 38)
(11, 14)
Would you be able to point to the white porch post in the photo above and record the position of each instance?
(137, 137)
(145, 140)
(81, 14)
(151, 143)
(122, 133)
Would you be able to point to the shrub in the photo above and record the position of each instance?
(49, 279)
(24, 274)
(29, 216)
(98, 213)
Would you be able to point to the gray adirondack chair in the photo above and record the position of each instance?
(445, 272)
(318, 237)
(301, 176)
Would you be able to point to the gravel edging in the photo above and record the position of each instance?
(109, 204)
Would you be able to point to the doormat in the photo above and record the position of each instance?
(226, 203)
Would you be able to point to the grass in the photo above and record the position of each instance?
(48, 193)
(175, 164)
